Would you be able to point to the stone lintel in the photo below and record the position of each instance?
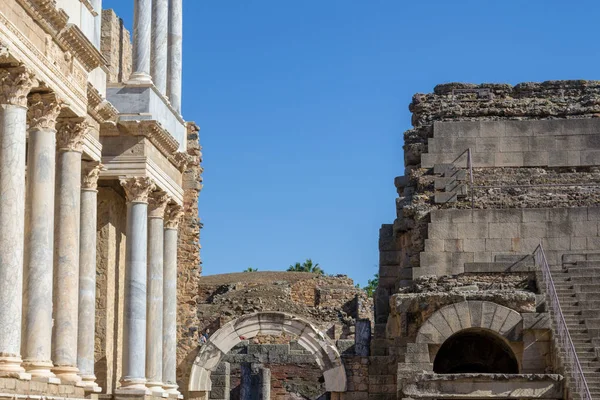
(477, 386)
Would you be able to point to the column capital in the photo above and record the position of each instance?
(43, 110)
(15, 85)
(173, 215)
(157, 203)
(90, 174)
(70, 134)
(137, 189)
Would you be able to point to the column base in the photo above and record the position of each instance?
(139, 78)
(171, 390)
(67, 374)
(88, 382)
(156, 388)
(41, 371)
(10, 367)
(133, 386)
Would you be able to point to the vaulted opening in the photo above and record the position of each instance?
(475, 351)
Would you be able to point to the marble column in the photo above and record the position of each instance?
(97, 5)
(172, 217)
(154, 324)
(87, 274)
(39, 237)
(15, 84)
(66, 248)
(137, 191)
(160, 32)
(175, 61)
(142, 34)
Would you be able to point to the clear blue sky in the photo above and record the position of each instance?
(302, 106)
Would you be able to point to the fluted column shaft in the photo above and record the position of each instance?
(160, 33)
(87, 274)
(142, 34)
(172, 218)
(66, 250)
(137, 191)
(154, 324)
(39, 236)
(175, 53)
(15, 84)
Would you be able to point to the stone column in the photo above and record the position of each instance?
(97, 5)
(154, 325)
(15, 84)
(87, 274)
(66, 248)
(175, 53)
(137, 191)
(142, 34)
(160, 32)
(39, 237)
(172, 217)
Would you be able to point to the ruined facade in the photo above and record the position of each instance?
(99, 178)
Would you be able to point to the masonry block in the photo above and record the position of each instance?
(504, 230)
(549, 127)
(512, 159)
(475, 230)
(518, 128)
(487, 145)
(514, 144)
(441, 230)
(492, 128)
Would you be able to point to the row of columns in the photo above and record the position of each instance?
(157, 46)
(48, 252)
(150, 289)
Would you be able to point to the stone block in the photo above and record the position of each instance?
(512, 159)
(506, 215)
(549, 127)
(456, 129)
(590, 157)
(535, 214)
(482, 256)
(453, 245)
(556, 243)
(443, 198)
(388, 270)
(487, 145)
(517, 144)
(435, 260)
(440, 183)
(434, 244)
(474, 245)
(560, 228)
(390, 257)
(451, 215)
(582, 126)
(585, 228)
(458, 262)
(492, 128)
(417, 352)
(504, 230)
(578, 243)
(542, 143)
(536, 321)
(533, 229)
(578, 214)
(593, 243)
(441, 231)
(593, 213)
(482, 160)
(562, 158)
(535, 159)
(591, 142)
(500, 245)
(475, 230)
(519, 128)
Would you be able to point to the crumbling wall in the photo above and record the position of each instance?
(116, 47)
(189, 263)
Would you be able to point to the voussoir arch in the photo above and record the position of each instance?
(451, 319)
(268, 323)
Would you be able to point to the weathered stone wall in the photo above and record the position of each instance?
(116, 47)
(110, 281)
(188, 260)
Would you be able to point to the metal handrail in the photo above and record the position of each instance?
(562, 330)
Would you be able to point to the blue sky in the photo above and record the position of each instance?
(302, 106)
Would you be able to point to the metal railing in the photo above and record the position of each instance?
(562, 331)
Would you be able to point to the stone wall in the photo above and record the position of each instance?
(110, 281)
(188, 260)
(116, 47)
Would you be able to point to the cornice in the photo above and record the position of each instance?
(90, 7)
(73, 38)
(47, 14)
(98, 107)
(157, 135)
(180, 160)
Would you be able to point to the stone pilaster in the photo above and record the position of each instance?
(66, 249)
(39, 236)
(175, 53)
(154, 326)
(172, 218)
(160, 30)
(15, 84)
(87, 274)
(137, 191)
(142, 33)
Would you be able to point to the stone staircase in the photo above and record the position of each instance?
(577, 285)
(450, 183)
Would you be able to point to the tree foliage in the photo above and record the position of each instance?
(371, 286)
(306, 266)
(250, 269)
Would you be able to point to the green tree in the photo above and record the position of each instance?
(306, 266)
(372, 285)
(250, 269)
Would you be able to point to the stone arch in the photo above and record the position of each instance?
(456, 317)
(268, 323)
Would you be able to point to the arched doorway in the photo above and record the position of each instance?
(270, 323)
(475, 351)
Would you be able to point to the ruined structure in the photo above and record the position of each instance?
(99, 182)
